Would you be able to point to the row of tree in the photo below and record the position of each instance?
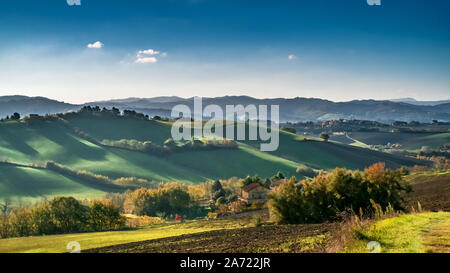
(60, 215)
(15, 116)
(170, 145)
(166, 201)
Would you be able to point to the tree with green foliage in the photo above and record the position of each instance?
(69, 214)
(104, 216)
(267, 183)
(328, 195)
(288, 129)
(250, 180)
(15, 116)
(304, 170)
(279, 175)
(5, 207)
(217, 191)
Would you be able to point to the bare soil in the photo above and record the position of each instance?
(433, 193)
(264, 239)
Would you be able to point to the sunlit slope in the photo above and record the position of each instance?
(29, 185)
(328, 155)
(408, 140)
(49, 141)
(294, 148)
(101, 128)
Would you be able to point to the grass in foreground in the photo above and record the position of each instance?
(412, 233)
(58, 243)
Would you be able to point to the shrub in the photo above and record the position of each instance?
(237, 206)
(256, 205)
(104, 216)
(138, 221)
(257, 221)
(288, 129)
(135, 145)
(170, 143)
(324, 136)
(84, 175)
(279, 175)
(306, 171)
(328, 195)
(69, 215)
(167, 200)
(212, 215)
(220, 201)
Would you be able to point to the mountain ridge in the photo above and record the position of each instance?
(291, 109)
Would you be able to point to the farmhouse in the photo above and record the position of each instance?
(254, 192)
(278, 183)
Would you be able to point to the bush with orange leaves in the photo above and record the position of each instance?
(328, 195)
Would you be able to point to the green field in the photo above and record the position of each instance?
(48, 140)
(409, 141)
(412, 233)
(58, 243)
(29, 185)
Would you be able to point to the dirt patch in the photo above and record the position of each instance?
(437, 240)
(265, 239)
(433, 193)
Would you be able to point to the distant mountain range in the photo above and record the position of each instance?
(293, 109)
(416, 102)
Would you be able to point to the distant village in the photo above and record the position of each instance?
(344, 125)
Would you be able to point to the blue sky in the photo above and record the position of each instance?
(337, 50)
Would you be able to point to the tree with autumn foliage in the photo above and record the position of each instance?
(327, 195)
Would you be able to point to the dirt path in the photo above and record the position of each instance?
(437, 239)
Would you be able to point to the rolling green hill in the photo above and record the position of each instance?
(409, 141)
(27, 185)
(49, 140)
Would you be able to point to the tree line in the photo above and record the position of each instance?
(60, 215)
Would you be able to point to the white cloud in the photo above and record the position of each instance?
(292, 57)
(144, 60)
(96, 45)
(143, 56)
(147, 52)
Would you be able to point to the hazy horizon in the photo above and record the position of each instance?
(239, 95)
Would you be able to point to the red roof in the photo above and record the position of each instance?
(251, 187)
(278, 183)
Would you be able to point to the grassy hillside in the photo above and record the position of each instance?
(58, 243)
(295, 148)
(26, 185)
(412, 233)
(49, 140)
(409, 141)
(328, 155)
(115, 129)
(431, 189)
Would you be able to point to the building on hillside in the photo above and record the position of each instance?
(278, 183)
(254, 192)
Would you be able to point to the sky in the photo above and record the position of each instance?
(339, 50)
